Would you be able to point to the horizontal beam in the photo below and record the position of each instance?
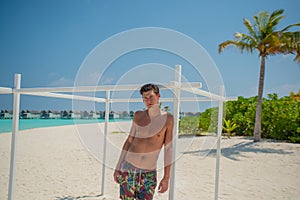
(205, 93)
(171, 85)
(174, 84)
(182, 99)
(138, 100)
(66, 96)
(188, 87)
(4, 90)
(102, 100)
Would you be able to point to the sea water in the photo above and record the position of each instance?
(6, 124)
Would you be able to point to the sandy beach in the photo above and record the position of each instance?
(64, 163)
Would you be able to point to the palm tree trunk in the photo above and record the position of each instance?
(257, 127)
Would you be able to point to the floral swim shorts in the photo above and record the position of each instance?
(136, 183)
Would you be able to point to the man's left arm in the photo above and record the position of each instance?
(164, 183)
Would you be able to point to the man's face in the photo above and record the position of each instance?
(150, 98)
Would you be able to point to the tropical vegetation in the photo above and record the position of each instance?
(280, 118)
(264, 37)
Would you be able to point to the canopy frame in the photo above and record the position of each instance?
(176, 86)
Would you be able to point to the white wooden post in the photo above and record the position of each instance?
(176, 105)
(15, 128)
(107, 103)
(219, 134)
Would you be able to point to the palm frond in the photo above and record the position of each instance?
(237, 44)
(289, 43)
(225, 44)
(250, 28)
(297, 57)
(290, 26)
(256, 20)
(275, 17)
(261, 21)
(243, 37)
(273, 43)
(276, 13)
(271, 26)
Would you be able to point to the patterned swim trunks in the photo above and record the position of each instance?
(136, 183)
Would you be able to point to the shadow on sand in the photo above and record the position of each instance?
(236, 151)
(78, 197)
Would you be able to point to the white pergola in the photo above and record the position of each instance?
(57, 92)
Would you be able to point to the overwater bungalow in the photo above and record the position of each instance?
(114, 115)
(55, 114)
(75, 114)
(5, 114)
(32, 114)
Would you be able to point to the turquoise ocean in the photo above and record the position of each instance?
(24, 124)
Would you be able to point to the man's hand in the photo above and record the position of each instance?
(163, 185)
(116, 174)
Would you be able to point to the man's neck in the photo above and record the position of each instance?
(154, 111)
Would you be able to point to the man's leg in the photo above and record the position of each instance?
(127, 180)
(146, 185)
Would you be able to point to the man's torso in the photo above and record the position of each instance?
(148, 140)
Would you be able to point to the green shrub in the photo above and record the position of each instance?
(280, 117)
(208, 120)
(188, 125)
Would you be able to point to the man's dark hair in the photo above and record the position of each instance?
(149, 87)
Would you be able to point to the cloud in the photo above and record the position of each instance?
(62, 81)
(108, 80)
(284, 90)
(281, 90)
(283, 59)
(87, 78)
(241, 91)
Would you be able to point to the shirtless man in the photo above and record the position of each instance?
(150, 131)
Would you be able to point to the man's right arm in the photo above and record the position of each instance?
(125, 149)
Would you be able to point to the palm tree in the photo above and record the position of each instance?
(264, 38)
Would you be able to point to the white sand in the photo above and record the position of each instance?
(52, 163)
